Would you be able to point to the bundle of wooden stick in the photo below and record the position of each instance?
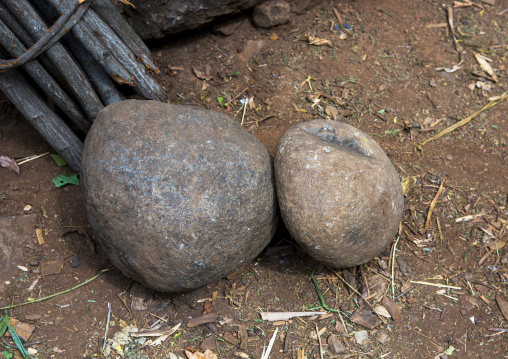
(76, 72)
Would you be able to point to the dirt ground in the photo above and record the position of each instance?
(378, 74)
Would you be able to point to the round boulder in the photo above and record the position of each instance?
(339, 195)
(177, 196)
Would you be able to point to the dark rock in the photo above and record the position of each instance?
(272, 13)
(75, 262)
(34, 262)
(401, 261)
(177, 196)
(339, 195)
(158, 18)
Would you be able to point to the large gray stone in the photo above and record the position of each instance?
(339, 195)
(177, 196)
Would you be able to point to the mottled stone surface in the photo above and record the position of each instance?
(157, 18)
(177, 196)
(339, 194)
(272, 13)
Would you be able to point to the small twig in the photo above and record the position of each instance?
(56, 294)
(244, 109)
(423, 335)
(222, 52)
(365, 280)
(31, 158)
(393, 265)
(449, 11)
(270, 345)
(107, 326)
(470, 286)
(464, 121)
(432, 205)
(435, 285)
(316, 285)
(319, 340)
(403, 293)
(234, 98)
(354, 290)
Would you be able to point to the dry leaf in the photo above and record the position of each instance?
(407, 184)
(458, 4)
(380, 310)
(201, 75)
(503, 306)
(40, 238)
(207, 307)
(446, 69)
(497, 245)
(317, 41)
(483, 61)
(208, 354)
(9, 163)
(332, 112)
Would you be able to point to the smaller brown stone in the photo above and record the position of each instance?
(34, 262)
(209, 343)
(382, 336)
(335, 344)
(401, 261)
(230, 338)
(52, 267)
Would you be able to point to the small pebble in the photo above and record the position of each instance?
(75, 262)
(34, 262)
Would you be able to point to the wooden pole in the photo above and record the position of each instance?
(41, 117)
(50, 87)
(71, 73)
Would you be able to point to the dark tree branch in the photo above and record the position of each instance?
(100, 79)
(44, 120)
(70, 72)
(143, 84)
(50, 87)
(51, 37)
